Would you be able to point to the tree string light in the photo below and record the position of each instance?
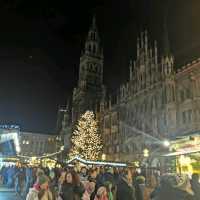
(86, 140)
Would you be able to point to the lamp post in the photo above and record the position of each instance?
(166, 143)
(146, 155)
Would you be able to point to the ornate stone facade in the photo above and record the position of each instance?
(90, 89)
(156, 103)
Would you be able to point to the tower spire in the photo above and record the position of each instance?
(167, 60)
(92, 44)
(166, 43)
(90, 82)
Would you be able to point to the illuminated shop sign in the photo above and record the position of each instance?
(185, 145)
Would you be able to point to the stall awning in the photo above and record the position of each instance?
(184, 151)
(90, 162)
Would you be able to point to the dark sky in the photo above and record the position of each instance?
(40, 44)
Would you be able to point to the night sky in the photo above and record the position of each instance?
(40, 44)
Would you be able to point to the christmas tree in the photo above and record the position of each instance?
(86, 140)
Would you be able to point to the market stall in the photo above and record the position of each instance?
(91, 162)
(185, 152)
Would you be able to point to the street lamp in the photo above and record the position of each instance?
(166, 143)
(146, 153)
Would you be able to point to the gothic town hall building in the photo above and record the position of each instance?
(156, 103)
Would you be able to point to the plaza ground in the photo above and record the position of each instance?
(7, 194)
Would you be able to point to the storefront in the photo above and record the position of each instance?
(185, 154)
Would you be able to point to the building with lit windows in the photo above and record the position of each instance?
(90, 89)
(37, 144)
(158, 102)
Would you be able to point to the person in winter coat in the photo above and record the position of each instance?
(28, 179)
(108, 176)
(195, 186)
(101, 194)
(71, 189)
(19, 179)
(109, 189)
(53, 185)
(83, 174)
(140, 187)
(78, 186)
(39, 189)
(61, 180)
(89, 189)
(67, 187)
(99, 182)
(124, 190)
(174, 187)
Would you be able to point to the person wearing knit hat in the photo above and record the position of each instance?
(124, 190)
(39, 189)
(42, 181)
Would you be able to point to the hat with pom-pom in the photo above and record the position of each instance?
(42, 179)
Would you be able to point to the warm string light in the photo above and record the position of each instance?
(86, 140)
(91, 162)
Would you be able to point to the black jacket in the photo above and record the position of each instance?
(71, 192)
(124, 191)
(67, 191)
(173, 194)
(196, 189)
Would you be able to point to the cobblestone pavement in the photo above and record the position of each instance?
(8, 194)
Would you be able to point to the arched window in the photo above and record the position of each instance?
(82, 68)
(94, 48)
(91, 35)
(127, 150)
(89, 47)
(94, 68)
(91, 67)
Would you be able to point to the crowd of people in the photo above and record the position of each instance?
(96, 183)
